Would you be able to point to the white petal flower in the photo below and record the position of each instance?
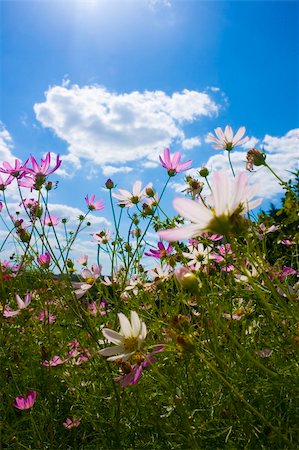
(129, 199)
(128, 340)
(227, 140)
(230, 199)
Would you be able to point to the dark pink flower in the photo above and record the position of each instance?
(44, 260)
(161, 252)
(25, 402)
(55, 361)
(92, 205)
(172, 164)
(43, 169)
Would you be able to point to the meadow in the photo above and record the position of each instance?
(198, 352)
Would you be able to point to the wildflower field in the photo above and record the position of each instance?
(188, 343)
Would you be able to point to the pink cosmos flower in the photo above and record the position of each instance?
(17, 171)
(51, 220)
(129, 199)
(22, 304)
(92, 205)
(44, 260)
(161, 252)
(42, 170)
(4, 183)
(172, 164)
(227, 140)
(90, 276)
(83, 259)
(230, 198)
(103, 237)
(44, 316)
(55, 361)
(72, 423)
(25, 402)
(133, 373)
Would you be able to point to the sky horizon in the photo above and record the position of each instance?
(108, 85)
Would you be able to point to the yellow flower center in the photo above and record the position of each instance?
(89, 280)
(130, 344)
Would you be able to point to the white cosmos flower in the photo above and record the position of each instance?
(130, 199)
(198, 256)
(230, 199)
(127, 341)
(227, 140)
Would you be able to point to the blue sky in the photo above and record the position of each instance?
(109, 84)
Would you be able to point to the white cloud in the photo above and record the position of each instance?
(6, 145)
(187, 144)
(111, 170)
(106, 128)
(251, 143)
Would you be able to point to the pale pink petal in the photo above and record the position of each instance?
(193, 211)
(228, 132)
(136, 323)
(125, 326)
(112, 336)
(109, 351)
(177, 234)
(239, 134)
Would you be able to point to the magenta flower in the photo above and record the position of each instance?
(25, 402)
(227, 140)
(134, 372)
(172, 164)
(43, 169)
(50, 220)
(92, 205)
(44, 260)
(161, 252)
(71, 423)
(55, 361)
(17, 171)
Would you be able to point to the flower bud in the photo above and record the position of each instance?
(44, 260)
(255, 157)
(109, 184)
(188, 280)
(204, 172)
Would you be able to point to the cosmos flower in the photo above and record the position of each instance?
(51, 220)
(92, 205)
(22, 304)
(129, 199)
(230, 199)
(25, 402)
(72, 423)
(44, 259)
(198, 256)
(161, 252)
(227, 140)
(126, 342)
(17, 171)
(172, 164)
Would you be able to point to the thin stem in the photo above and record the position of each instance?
(230, 163)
